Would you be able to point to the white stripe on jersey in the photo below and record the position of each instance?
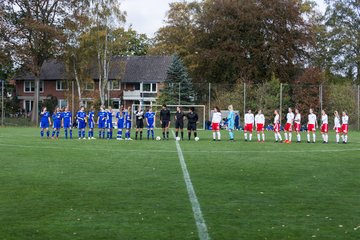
(337, 122)
(324, 119)
(249, 118)
(276, 119)
(345, 119)
(290, 118)
(260, 118)
(297, 118)
(216, 117)
(312, 118)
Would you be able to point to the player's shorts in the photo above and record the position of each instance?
(109, 125)
(215, 126)
(120, 125)
(101, 124)
(164, 124)
(288, 127)
(91, 124)
(57, 124)
(179, 124)
(150, 124)
(248, 127)
(44, 124)
(324, 128)
(297, 127)
(128, 125)
(192, 126)
(338, 130)
(81, 124)
(345, 128)
(139, 124)
(311, 127)
(277, 127)
(259, 127)
(67, 124)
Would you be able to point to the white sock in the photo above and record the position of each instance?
(342, 137)
(337, 138)
(290, 136)
(314, 137)
(258, 135)
(308, 137)
(219, 135)
(326, 137)
(276, 137)
(250, 136)
(245, 136)
(323, 137)
(286, 136)
(279, 136)
(214, 135)
(346, 138)
(263, 136)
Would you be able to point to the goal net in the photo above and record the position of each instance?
(199, 109)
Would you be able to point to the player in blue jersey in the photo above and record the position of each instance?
(109, 123)
(67, 122)
(91, 123)
(101, 122)
(150, 121)
(81, 118)
(57, 117)
(231, 122)
(128, 124)
(45, 122)
(120, 123)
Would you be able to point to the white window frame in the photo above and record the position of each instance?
(62, 87)
(60, 103)
(151, 88)
(90, 89)
(31, 103)
(32, 86)
(112, 85)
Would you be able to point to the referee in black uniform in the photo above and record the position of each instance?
(192, 120)
(165, 121)
(179, 122)
(139, 116)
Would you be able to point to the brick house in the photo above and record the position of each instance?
(131, 80)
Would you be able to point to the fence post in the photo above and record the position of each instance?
(2, 102)
(209, 103)
(321, 96)
(358, 105)
(280, 109)
(179, 94)
(72, 98)
(244, 110)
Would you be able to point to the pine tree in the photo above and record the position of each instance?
(177, 74)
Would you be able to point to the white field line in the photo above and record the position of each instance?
(200, 222)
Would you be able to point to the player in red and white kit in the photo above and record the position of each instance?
(289, 124)
(312, 125)
(324, 126)
(260, 123)
(337, 126)
(344, 127)
(215, 123)
(277, 127)
(249, 125)
(297, 125)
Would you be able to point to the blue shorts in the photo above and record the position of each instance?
(91, 124)
(67, 125)
(101, 124)
(57, 124)
(109, 125)
(151, 125)
(120, 125)
(128, 125)
(81, 124)
(44, 124)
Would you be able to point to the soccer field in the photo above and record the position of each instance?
(100, 189)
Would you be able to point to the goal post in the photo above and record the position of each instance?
(199, 109)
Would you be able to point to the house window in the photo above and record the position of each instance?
(29, 86)
(61, 85)
(149, 87)
(62, 103)
(115, 85)
(87, 103)
(115, 104)
(28, 105)
(89, 86)
(137, 86)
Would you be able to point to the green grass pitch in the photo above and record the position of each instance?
(99, 189)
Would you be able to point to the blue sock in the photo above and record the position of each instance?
(231, 134)
(57, 133)
(89, 133)
(48, 133)
(70, 133)
(110, 134)
(107, 134)
(66, 133)
(100, 134)
(83, 133)
(148, 133)
(103, 133)
(152, 133)
(92, 132)
(53, 133)
(79, 133)
(42, 133)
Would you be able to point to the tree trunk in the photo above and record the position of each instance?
(35, 108)
(77, 83)
(101, 95)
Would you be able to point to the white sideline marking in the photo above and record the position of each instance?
(195, 205)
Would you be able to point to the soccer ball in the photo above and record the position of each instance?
(177, 138)
(197, 139)
(158, 138)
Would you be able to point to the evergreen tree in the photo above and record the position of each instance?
(177, 84)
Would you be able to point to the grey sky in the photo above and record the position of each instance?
(147, 16)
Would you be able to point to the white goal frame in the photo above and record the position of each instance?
(144, 106)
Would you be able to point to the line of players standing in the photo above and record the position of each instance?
(293, 122)
(63, 119)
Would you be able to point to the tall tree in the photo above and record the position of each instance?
(33, 30)
(342, 21)
(178, 85)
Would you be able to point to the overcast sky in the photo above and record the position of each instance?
(147, 16)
